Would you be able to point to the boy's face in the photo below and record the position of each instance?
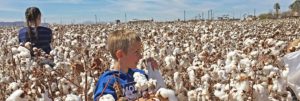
(134, 54)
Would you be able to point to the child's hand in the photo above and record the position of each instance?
(153, 63)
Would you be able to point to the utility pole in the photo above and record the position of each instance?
(125, 17)
(184, 15)
(202, 15)
(95, 18)
(208, 15)
(254, 12)
(211, 14)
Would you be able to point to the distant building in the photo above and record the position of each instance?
(140, 21)
(118, 21)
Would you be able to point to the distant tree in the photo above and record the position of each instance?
(295, 7)
(266, 16)
(277, 8)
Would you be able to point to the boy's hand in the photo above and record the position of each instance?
(153, 63)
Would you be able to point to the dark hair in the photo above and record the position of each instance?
(32, 14)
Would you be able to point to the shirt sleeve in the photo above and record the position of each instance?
(105, 86)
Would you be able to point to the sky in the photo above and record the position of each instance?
(79, 11)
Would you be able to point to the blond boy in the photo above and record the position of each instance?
(126, 49)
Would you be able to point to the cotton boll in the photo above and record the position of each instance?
(205, 78)
(45, 97)
(92, 88)
(13, 41)
(13, 86)
(219, 92)
(17, 96)
(14, 50)
(191, 74)
(260, 92)
(107, 97)
(152, 83)
(141, 81)
(27, 45)
(285, 73)
(24, 52)
(169, 60)
(166, 93)
(245, 63)
(192, 95)
(176, 51)
(176, 78)
(72, 97)
(248, 42)
(267, 69)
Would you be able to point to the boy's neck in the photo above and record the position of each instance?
(121, 68)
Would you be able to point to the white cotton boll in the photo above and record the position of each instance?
(205, 78)
(221, 95)
(285, 73)
(152, 82)
(107, 97)
(176, 78)
(74, 43)
(15, 96)
(249, 42)
(27, 45)
(244, 85)
(24, 52)
(72, 54)
(45, 97)
(63, 65)
(53, 86)
(260, 93)
(53, 52)
(176, 51)
(13, 86)
(141, 81)
(72, 97)
(230, 67)
(191, 74)
(13, 41)
(267, 69)
(254, 53)
(245, 63)
(170, 60)
(192, 95)
(278, 85)
(274, 51)
(14, 50)
(92, 88)
(166, 93)
(222, 74)
(48, 67)
(271, 41)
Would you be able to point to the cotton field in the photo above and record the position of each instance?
(199, 61)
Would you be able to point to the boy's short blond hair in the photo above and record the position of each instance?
(121, 40)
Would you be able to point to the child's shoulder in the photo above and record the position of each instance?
(138, 70)
(108, 74)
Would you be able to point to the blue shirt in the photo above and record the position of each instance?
(126, 81)
(43, 41)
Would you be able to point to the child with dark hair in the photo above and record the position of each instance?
(38, 36)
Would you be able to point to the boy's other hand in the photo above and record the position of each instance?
(153, 63)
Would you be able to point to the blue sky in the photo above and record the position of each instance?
(77, 11)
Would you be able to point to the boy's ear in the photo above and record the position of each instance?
(119, 54)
